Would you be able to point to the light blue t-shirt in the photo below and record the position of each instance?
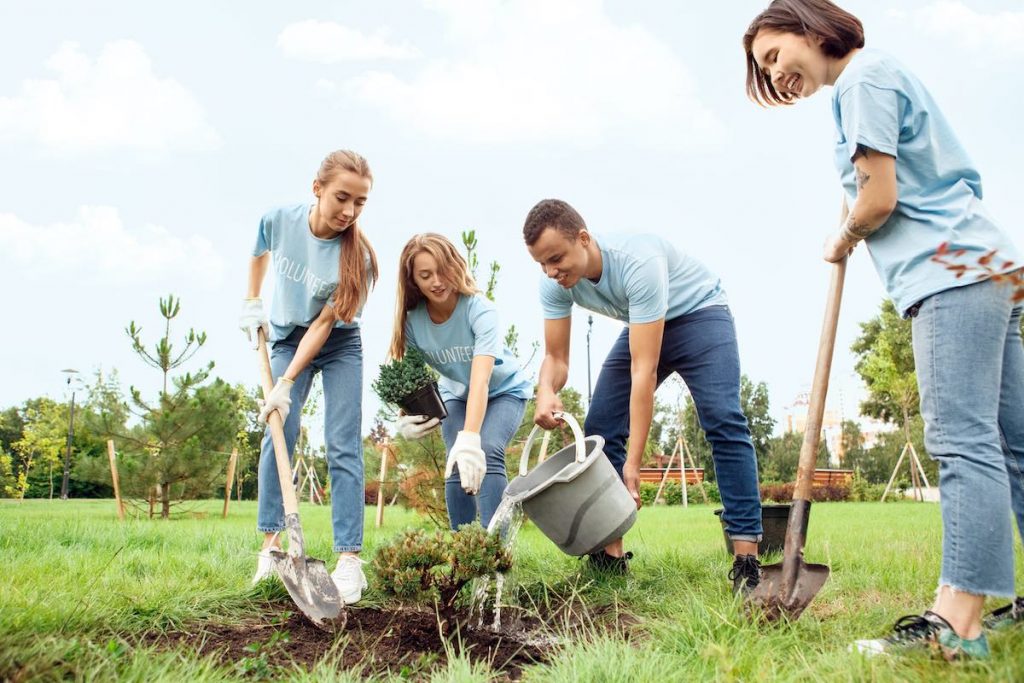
(877, 103)
(473, 329)
(305, 269)
(643, 278)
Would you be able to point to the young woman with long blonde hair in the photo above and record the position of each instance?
(323, 268)
(441, 312)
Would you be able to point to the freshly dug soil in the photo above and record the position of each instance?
(373, 641)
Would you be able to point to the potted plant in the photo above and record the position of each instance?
(410, 384)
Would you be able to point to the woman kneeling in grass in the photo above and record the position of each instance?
(441, 313)
(912, 188)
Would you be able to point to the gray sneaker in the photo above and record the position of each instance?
(1006, 616)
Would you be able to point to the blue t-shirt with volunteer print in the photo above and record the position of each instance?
(880, 105)
(643, 278)
(473, 329)
(305, 269)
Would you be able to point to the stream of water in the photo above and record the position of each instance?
(506, 522)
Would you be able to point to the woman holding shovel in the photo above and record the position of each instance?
(911, 192)
(441, 312)
(323, 268)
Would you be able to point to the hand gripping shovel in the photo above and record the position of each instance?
(790, 586)
(306, 578)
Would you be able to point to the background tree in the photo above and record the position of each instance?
(182, 438)
(885, 361)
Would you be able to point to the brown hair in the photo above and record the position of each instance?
(450, 264)
(552, 213)
(839, 31)
(357, 267)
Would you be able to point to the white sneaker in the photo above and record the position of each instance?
(349, 578)
(264, 567)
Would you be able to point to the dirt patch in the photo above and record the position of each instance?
(374, 641)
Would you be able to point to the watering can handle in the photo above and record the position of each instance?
(581, 452)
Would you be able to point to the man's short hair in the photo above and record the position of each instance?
(552, 213)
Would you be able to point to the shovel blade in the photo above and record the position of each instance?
(311, 588)
(777, 596)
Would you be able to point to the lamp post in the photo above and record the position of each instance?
(71, 374)
(590, 330)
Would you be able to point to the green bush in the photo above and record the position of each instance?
(673, 493)
(425, 567)
(401, 378)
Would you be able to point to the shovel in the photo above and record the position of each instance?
(306, 578)
(788, 587)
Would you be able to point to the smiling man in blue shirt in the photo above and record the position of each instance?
(677, 320)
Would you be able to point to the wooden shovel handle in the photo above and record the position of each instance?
(284, 467)
(819, 388)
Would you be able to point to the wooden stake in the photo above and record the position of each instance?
(693, 466)
(384, 451)
(896, 469)
(115, 478)
(544, 448)
(664, 475)
(682, 477)
(232, 462)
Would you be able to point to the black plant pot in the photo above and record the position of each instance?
(773, 521)
(426, 401)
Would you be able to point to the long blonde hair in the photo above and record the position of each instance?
(450, 264)
(355, 276)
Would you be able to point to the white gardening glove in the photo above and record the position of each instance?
(414, 427)
(253, 317)
(467, 454)
(280, 399)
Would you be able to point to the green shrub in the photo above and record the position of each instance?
(401, 378)
(425, 567)
(672, 494)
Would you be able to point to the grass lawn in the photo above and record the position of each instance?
(79, 590)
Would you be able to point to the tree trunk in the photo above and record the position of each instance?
(165, 512)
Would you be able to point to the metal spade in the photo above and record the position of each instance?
(788, 587)
(306, 578)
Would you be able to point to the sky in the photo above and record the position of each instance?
(140, 143)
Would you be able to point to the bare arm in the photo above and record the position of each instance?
(644, 350)
(479, 383)
(876, 200)
(554, 370)
(314, 340)
(257, 271)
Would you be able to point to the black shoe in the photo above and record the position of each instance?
(603, 562)
(1005, 616)
(745, 574)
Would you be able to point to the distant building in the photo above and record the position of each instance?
(832, 427)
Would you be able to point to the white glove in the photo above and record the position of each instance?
(414, 427)
(467, 454)
(280, 399)
(253, 317)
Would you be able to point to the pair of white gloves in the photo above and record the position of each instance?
(466, 453)
(253, 319)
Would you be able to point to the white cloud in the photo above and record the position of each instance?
(97, 248)
(114, 101)
(536, 71)
(326, 42)
(1001, 32)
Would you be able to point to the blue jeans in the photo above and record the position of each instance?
(503, 417)
(970, 372)
(701, 347)
(341, 363)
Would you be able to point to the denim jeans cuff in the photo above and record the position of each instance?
(982, 592)
(752, 538)
(270, 529)
(348, 548)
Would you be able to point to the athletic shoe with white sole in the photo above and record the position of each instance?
(926, 631)
(264, 567)
(349, 578)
